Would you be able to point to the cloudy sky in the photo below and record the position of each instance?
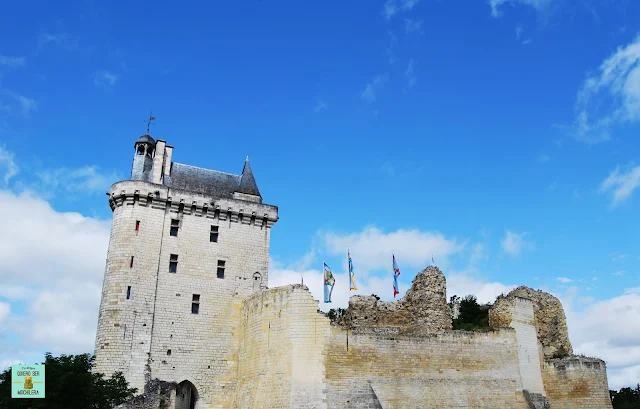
(499, 137)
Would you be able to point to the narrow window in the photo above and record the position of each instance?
(257, 281)
(128, 292)
(168, 352)
(221, 268)
(175, 223)
(137, 225)
(131, 264)
(195, 304)
(173, 263)
(213, 236)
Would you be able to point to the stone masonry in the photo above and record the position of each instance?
(550, 321)
(187, 316)
(423, 309)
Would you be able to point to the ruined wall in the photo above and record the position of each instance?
(423, 309)
(550, 320)
(454, 369)
(280, 363)
(576, 383)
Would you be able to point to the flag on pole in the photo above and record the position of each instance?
(329, 282)
(396, 273)
(352, 277)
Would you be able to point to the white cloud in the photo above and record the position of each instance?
(87, 179)
(621, 184)
(320, 106)
(59, 39)
(412, 26)
(544, 158)
(611, 97)
(412, 248)
(564, 280)
(514, 243)
(370, 91)
(478, 253)
(393, 7)
(54, 262)
(410, 76)
(12, 61)
(608, 329)
(105, 79)
(5, 308)
(464, 283)
(25, 105)
(7, 165)
(538, 5)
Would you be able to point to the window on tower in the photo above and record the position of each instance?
(213, 236)
(128, 292)
(221, 265)
(137, 225)
(131, 263)
(175, 224)
(195, 304)
(173, 263)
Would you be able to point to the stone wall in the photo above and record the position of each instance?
(280, 361)
(423, 309)
(453, 369)
(576, 383)
(550, 320)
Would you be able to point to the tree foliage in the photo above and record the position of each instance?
(626, 398)
(69, 384)
(473, 316)
(336, 315)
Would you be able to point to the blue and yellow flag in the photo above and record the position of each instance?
(329, 282)
(352, 277)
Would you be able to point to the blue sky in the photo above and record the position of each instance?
(499, 136)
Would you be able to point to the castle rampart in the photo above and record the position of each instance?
(187, 316)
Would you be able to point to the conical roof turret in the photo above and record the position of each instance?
(247, 181)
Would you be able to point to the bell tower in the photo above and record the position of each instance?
(142, 168)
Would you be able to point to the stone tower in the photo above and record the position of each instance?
(187, 244)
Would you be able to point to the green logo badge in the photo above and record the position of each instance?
(27, 381)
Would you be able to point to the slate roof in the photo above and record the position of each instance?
(213, 183)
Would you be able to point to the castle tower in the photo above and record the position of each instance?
(187, 245)
(143, 158)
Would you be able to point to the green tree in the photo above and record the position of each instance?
(69, 384)
(473, 316)
(626, 398)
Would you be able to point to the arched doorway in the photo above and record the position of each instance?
(186, 395)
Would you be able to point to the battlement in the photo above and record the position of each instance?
(136, 192)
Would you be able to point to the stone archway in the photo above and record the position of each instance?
(186, 395)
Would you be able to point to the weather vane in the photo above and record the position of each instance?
(148, 121)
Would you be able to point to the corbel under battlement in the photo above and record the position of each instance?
(129, 193)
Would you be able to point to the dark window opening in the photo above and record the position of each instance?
(137, 225)
(168, 352)
(213, 236)
(140, 150)
(173, 263)
(221, 268)
(195, 304)
(175, 224)
(131, 264)
(128, 292)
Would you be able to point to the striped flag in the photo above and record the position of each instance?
(396, 273)
(352, 277)
(329, 282)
